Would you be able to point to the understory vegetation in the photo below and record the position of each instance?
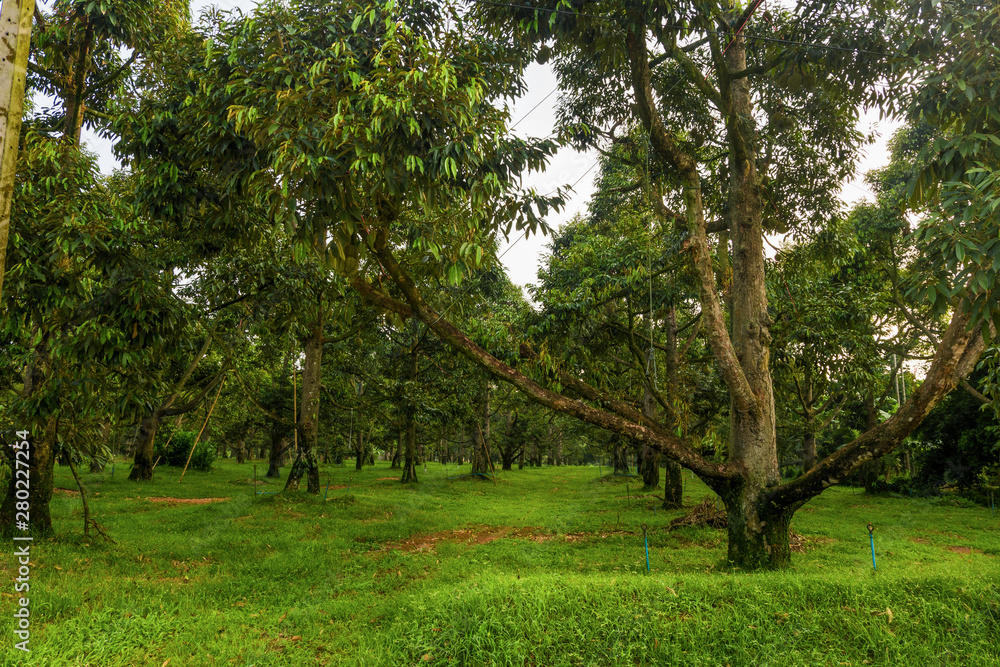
(544, 566)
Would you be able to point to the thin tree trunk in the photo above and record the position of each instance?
(308, 424)
(397, 455)
(274, 455)
(619, 455)
(410, 462)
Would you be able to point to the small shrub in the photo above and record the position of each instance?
(175, 453)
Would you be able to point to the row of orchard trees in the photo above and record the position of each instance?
(313, 196)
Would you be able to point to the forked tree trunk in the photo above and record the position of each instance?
(410, 456)
(759, 507)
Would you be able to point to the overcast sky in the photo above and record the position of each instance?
(523, 256)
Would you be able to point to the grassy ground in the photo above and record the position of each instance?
(546, 567)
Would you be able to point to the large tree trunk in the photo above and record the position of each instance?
(673, 485)
(755, 540)
(31, 514)
(308, 424)
(34, 510)
(142, 462)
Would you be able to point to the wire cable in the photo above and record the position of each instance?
(670, 26)
(534, 107)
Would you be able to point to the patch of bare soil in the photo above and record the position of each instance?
(963, 550)
(470, 535)
(801, 544)
(185, 501)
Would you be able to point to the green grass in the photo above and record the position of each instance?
(545, 568)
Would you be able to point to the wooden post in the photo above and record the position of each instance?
(207, 417)
(15, 33)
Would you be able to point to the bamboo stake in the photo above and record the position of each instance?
(176, 428)
(207, 417)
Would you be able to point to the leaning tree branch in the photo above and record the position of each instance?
(633, 429)
(175, 392)
(956, 356)
(111, 78)
(196, 401)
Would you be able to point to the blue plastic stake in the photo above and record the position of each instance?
(646, 541)
(327, 487)
(112, 472)
(871, 537)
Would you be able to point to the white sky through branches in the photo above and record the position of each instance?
(568, 166)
